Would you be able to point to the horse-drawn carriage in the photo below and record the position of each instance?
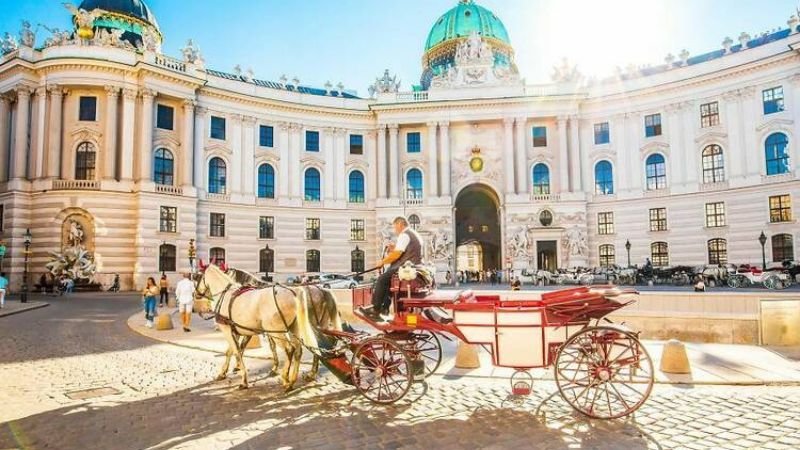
(747, 275)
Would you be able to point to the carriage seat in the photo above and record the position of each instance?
(412, 280)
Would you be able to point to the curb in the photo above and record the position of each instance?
(25, 309)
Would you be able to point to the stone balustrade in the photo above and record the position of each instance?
(69, 185)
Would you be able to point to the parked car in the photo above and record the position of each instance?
(335, 281)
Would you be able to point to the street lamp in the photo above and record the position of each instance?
(628, 249)
(27, 238)
(192, 255)
(762, 239)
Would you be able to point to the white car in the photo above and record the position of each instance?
(334, 281)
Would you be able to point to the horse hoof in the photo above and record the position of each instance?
(235, 369)
(242, 387)
(309, 377)
(272, 373)
(220, 377)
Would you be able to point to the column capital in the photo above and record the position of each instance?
(148, 94)
(573, 117)
(381, 127)
(111, 90)
(235, 117)
(41, 91)
(748, 91)
(22, 91)
(200, 110)
(4, 98)
(129, 94)
(295, 126)
(508, 121)
(393, 126)
(55, 90)
(339, 131)
(432, 124)
(561, 119)
(189, 104)
(248, 120)
(283, 126)
(444, 124)
(521, 120)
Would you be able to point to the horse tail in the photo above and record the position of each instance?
(304, 329)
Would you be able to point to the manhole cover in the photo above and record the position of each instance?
(86, 394)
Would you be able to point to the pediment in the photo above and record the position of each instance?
(775, 123)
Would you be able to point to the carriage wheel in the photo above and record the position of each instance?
(736, 281)
(604, 372)
(585, 280)
(771, 282)
(381, 370)
(422, 345)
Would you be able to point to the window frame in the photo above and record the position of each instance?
(784, 250)
(715, 216)
(357, 260)
(540, 188)
(605, 223)
(266, 261)
(266, 227)
(216, 228)
(86, 161)
(413, 142)
(659, 253)
(602, 130)
(709, 114)
(268, 185)
(782, 211)
(604, 186)
(717, 254)
(217, 184)
(414, 192)
(312, 145)
(658, 219)
(160, 173)
(313, 227)
(171, 263)
(773, 100)
(356, 148)
(541, 140)
(313, 261)
(82, 117)
(161, 107)
(357, 195)
(652, 125)
(656, 181)
(777, 160)
(414, 221)
(713, 164)
(358, 230)
(216, 259)
(214, 128)
(168, 223)
(312, 193)
(266, 136)
(606, 258)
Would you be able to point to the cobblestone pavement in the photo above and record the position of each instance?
(160, 396)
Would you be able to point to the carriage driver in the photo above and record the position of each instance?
(407, 248)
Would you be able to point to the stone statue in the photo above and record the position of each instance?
(566, 72)
(576, 241)
(439, 245)
(84, 19)
(190, 52)
(149, 40)
(27, 37)
(75, 234)
(75, 260)
(475, 65)
(57, 37)
(519, 244)
(9, 43)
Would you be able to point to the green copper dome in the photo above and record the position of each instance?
(462, 20)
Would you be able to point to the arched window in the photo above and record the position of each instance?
(312, 261)
(659, 253)
(85, 161)
(782, 247)
(266, 260)
(413, 221)
(607, 255)
(313, 180)
(216, 255)
(217, 176)
(541, 179)
(713, 164)
(266, 181)
(777, 154)
(167, 256)
(603, 178)
(414, 184)
(656, 172)
(356, 187)
(717, 251)
(163, 167)
(357, 260)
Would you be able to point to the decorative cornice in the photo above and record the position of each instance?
(55, 90)
(200, 110)
(148, 94)
(22, 91)
(444, 124)
(393, 127)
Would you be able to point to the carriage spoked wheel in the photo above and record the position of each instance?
(423, 346)
(774, 282)
(604, 372)
(382, 371)
(737, 281)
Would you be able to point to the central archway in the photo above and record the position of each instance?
(477, 218)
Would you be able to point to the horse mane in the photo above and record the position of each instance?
(246, 278)
(304, 329)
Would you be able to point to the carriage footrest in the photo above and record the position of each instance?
(437, 315)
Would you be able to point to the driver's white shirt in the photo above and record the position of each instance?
(402, 241)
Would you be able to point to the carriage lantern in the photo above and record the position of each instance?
(628, 249)
(27, 238)
(192, 254)
(762, 239)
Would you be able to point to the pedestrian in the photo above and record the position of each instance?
(516, 284)
(448, 277)
(184, 296)
(700, 286)
(115, 284)
(163, 285)
(3, 288)
(149, 299)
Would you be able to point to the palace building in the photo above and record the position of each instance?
(114, 148)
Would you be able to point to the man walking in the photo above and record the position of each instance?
(3, 287)
(184, 296)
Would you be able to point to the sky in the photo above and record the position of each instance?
(353, 41)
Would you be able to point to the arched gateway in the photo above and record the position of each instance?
(478, 232)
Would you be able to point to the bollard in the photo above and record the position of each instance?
(467, 356)
(255, 342)
(164, 322)
(674, 359)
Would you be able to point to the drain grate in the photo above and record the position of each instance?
(86, 394)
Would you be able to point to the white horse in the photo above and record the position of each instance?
(280, 312)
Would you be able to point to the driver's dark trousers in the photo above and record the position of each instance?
(381, 301)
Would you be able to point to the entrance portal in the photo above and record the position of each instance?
(477, 229)
(546, 256)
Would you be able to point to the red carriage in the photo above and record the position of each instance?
(601, 370)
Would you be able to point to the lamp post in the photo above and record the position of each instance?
(628, 249)
(27, 241)
(192, 255)
(762, 239)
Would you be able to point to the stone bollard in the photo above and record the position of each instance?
(467, 356)
(255, 342)
(674, 359)
(164, 322)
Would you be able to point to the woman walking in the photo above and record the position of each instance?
(149, 295)
(163, 284)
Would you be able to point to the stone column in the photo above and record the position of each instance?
(146, 137)
(753, 148)
(445, 184)
(433, 159)
(5, 109)
(521, 157)
(54, 137)
(575, 161)
(235, 167)
(283, 174)
(199, 160)
(562, 169)
(508, 155)
(248, 169)
(372, 169)
(382, 172)
(21, 133)
(688, 153)
(394, 162)
(674, 129)
(187, 144)
(328, 154)
(294, 161)
(340, 178)
(128, 127)
(37, 158)
(109, 171)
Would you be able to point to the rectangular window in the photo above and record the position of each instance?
(218, 128)
(356, 144)
(169, 219)
(607, 258)
(658, 219)
(312, 229)
(266, 136)
(266, 227)
(605, 223)
(357, 232)
(773, 100)
(715, 214)
(413, 143)
(652, 125)
(780, 208)
(217, 228)
(312, 141)
(87, 110)
(165, 116)
(601, 134)
(709, 114)
(659, 254)
(540, 136)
